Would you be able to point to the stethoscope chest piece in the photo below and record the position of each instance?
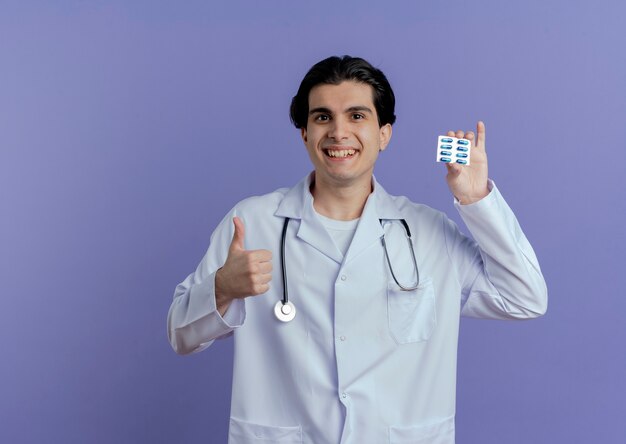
(284, 312)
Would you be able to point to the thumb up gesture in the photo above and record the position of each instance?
(245, 272)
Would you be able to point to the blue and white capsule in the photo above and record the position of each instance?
(453, 150)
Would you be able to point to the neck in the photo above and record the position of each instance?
(340, 202)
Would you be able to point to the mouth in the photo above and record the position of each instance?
(339, 153)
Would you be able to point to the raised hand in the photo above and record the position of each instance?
(245, 272)
(468, 183)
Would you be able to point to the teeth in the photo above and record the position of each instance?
(340, 153)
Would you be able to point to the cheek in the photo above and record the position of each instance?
(312, 139)
(373, 138)
(377, 138)
(310, 146)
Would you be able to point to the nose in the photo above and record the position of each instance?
(338, 129)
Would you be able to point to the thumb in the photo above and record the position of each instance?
(237, 242)
(453, 169)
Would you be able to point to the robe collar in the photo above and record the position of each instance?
(298, 204)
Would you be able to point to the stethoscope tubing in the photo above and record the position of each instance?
(285, 310)
(415, 267)
(282, 262)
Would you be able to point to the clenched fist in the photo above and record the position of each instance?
(245, 273)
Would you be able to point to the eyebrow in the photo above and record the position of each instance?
(361, 108)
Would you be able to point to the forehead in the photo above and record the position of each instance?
(346, 94)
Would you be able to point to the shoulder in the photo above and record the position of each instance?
(417, 212)
(262, 204)
(431, 229)
(257, 215)
(428, 225)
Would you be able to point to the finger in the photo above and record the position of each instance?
(480, 129)
(237, 242)
(454, 169)
(257, 278)
(459, 134)
(260, 289)
(470, 136)
(264, 278)
(260, 255)
(450, 133)
(264, 267)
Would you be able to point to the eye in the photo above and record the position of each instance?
(358, 116)
(321, 118)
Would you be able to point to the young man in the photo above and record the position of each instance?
(364, 351)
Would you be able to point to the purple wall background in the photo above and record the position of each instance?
(128, 130)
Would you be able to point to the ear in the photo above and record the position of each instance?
(384, 136)
(303, 134)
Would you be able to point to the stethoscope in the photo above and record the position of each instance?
(284, 309)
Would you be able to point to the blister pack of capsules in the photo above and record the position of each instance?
(453, 150)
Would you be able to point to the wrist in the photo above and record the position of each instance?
(468, 199)
(222, 300)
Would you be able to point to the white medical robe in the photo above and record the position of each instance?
(362, 362)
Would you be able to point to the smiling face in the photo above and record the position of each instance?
(342, 135)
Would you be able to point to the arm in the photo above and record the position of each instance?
(193, 321)
(499, 272)
(209, 303)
